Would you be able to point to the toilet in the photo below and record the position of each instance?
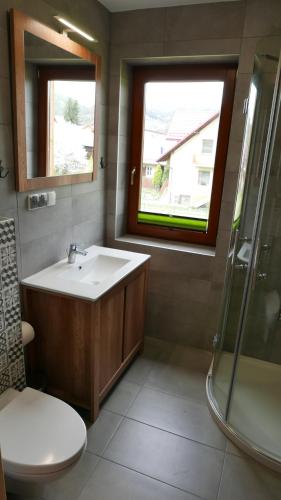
(41, 439)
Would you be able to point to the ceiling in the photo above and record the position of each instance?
(119, 5)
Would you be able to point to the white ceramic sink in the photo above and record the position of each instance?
(95, 270)
(90, 276)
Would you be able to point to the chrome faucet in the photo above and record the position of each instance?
(73, 251)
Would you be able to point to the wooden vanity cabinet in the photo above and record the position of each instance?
(82, 347)
(111, 338)
(134, 315)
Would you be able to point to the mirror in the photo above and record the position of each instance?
(55, 88)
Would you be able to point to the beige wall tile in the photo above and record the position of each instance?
(4, 67)
(202, 47)
(233, 155)
(5, 102)
(248, 50)
(230, 186)
(138, 26)
(133, 52)
(111, 201)
(226, 215)
(262, 18)
(218, 20)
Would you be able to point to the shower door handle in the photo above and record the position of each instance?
(259, 275)
(241, 267)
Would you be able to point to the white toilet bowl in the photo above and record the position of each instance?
(41, 437)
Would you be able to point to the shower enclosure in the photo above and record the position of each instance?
(244, 383)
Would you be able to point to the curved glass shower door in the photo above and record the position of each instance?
(245, 384)
(255, 408)
(240, 251)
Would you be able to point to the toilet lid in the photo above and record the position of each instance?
(39, 434)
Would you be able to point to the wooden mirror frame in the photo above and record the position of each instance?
(19, 23)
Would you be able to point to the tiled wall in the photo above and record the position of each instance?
(12, 373)
(79, 215)
(185, 287)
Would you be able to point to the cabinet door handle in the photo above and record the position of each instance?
(133, 171)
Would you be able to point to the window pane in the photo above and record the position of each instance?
(207, 146)
(181, 121)
(204, 178)
(71, 126)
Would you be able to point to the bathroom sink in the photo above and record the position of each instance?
(95, 270)
(90, 276)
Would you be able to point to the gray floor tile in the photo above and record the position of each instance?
(156, 353)
(139, 371)
(177, 415)
(100, 433)
(234, 450)
(177, 461)
(113, 482)
(155, 348)
(71, 485)
(122, 397)
(245, 479)
(184, 374)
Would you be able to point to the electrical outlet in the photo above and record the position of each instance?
(40, 200)
(32, 201)
(43, 200)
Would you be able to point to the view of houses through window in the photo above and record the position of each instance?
(181, 122)
(71, 123)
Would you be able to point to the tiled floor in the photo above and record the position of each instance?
(155, 440)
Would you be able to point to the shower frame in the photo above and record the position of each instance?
(222, 417)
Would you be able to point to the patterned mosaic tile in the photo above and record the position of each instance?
(2, 321)
(3, 361)
(5, 381)
(12, 372)
(8, 256)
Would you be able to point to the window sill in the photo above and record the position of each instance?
(167, 245)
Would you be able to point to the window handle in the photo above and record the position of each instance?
(133, 171)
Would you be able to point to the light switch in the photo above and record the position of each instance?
(51, 198)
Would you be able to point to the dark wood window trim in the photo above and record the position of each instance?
(45, 75)
(197, 72)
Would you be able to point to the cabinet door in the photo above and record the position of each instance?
(134, 314)
(111, 336)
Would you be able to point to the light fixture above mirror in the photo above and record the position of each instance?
(72, 28)
(56, 103)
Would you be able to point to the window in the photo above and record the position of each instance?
(148, 171)
(204, 177)
(207, 146)
(174, 108)
(66, 119)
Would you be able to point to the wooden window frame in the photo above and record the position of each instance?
(45, 75)
(225, 72)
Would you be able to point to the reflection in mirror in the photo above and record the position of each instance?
(59, 110)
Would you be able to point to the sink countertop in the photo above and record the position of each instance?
(58, 277)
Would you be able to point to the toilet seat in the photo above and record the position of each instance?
(39, 435)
